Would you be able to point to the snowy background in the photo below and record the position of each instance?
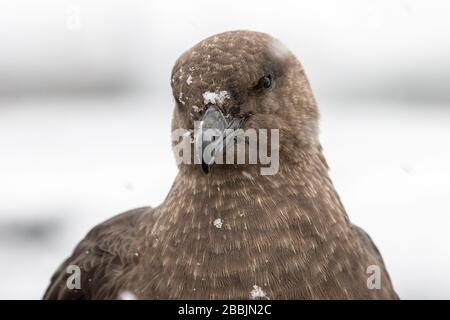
(85, 110)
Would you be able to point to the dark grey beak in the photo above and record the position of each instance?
(211, 135)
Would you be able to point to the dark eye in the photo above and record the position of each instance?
(265, 82)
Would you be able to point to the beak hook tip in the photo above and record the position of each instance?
(205, 168)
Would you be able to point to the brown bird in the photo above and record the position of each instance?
(227, 231)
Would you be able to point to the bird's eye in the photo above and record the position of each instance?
(265, 82)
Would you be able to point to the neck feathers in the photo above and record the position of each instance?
(299, 193)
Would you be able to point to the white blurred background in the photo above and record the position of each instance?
(85, 108)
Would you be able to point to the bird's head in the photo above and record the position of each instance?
(244, 80)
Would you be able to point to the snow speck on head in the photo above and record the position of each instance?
(188, 133)
(195, 109)
(180, 98)
(257, 293)
(218, 223)
(215, 97)
(189, 80)
(127, 295)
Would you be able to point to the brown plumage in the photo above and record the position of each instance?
(283, 236)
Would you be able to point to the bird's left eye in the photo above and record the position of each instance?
(265, 82)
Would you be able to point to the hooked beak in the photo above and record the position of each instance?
(211, 135)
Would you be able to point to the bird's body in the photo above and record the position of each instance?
(234, 233)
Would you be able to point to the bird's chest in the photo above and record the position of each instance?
(235, 256)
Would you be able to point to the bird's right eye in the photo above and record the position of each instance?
(265, 82)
